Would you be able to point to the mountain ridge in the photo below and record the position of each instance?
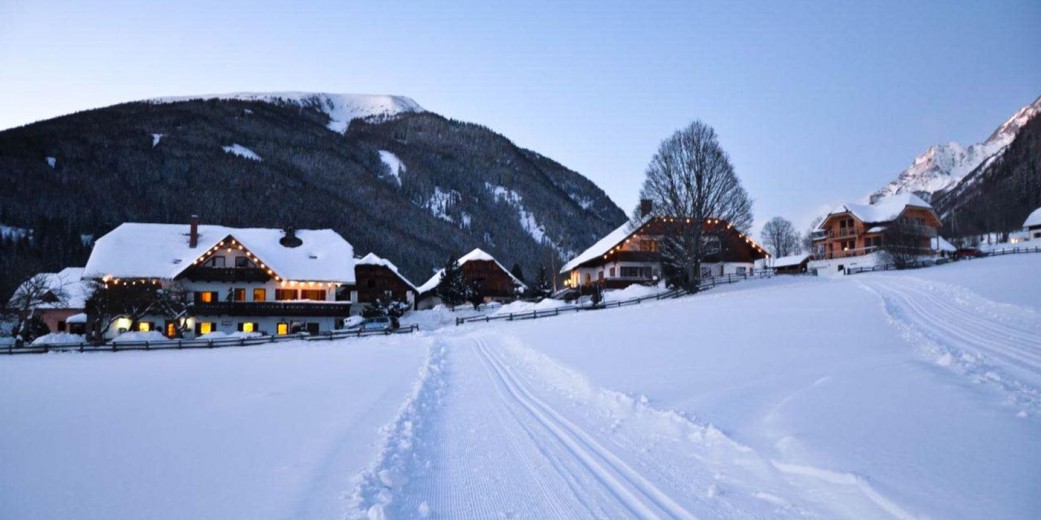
(944, 166)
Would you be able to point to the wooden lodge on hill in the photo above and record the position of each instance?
(630, 254)
(481, 269)
(857, 229)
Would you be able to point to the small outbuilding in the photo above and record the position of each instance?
(1032, 225)
(793, 264)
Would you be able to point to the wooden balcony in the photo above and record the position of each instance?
(226, 274)
(287, 308)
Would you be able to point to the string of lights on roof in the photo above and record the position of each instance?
(231, 247)
(748, 240)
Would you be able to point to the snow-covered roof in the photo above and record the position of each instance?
(372, 259)
(605, 244)
(476, 254)
(1034, 219)
(70, 282)
(135, 250)
(946, 246)
(884, 210)
(788, 261)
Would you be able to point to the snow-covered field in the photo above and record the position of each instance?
(884, 395)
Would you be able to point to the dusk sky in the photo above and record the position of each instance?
(817, 103)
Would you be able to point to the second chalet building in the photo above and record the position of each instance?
(252, 280)
(852, 235)
(478, 268)
(630, 254)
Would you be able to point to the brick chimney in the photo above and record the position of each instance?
(193, 233)
(646, 206)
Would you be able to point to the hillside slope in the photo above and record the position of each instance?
(296, 159)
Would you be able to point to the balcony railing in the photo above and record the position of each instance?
(227, 274)
(847, 253)
(288, 308)
(842, 233)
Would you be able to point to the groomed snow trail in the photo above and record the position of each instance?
(499, 430)
(989, 342)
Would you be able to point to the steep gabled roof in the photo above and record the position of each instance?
(788, 261)
(628, 229)
(372, 259)
(610, 240)
(885, 210)
(476, 254)
(135, 250)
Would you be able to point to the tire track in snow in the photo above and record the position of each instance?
(634, 490)
(994, 343)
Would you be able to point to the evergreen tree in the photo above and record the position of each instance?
(517, 272)
(452, 288)
(542, 286)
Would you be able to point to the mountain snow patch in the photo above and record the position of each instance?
(156, 138)
(51, 161)
(526, 218)
(440, 202)
(242, 151)
(394, 164)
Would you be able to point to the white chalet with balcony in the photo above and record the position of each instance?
(272, 281)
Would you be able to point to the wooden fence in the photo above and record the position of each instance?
(706, 284)
(198, 343)
(985, 254)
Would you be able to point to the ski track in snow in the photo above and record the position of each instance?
(496, 429)
(990, 342)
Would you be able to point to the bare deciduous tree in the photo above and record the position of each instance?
(807, 239)
(39, 289)
(780, 237)
(903, 244)
(690, 179)
(109, 302)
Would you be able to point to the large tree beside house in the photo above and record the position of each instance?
(691, 180)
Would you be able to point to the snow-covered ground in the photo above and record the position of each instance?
(881, 395)
(257, 432)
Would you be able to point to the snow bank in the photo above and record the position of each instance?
(58, 338)
(152, 336)
(215, 335)
(518, 307)
(634, 291)
(241, 151)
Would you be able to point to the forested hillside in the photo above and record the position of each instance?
(415, 188)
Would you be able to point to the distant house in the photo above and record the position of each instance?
(378, 278)
(853, 233)
(273, 281)
(1032, 225)
(793, 264)
(496, 282)
(630, 254)
(62, 301)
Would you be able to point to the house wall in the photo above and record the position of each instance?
(374, 281)
(497, 284)
(55, 318)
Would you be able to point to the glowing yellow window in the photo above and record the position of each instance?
(206, 297)
(283, 329)
(144, 326)
(247, 327)
(205, 327)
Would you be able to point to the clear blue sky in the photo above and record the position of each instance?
(817, 103)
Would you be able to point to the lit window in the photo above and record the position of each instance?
(283, 329)
(248, 327)
(259, 295)
(205, 327)
(144, 326)
(206, 297)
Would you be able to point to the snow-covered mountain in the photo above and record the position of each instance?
(341, 108)
(942, 166)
